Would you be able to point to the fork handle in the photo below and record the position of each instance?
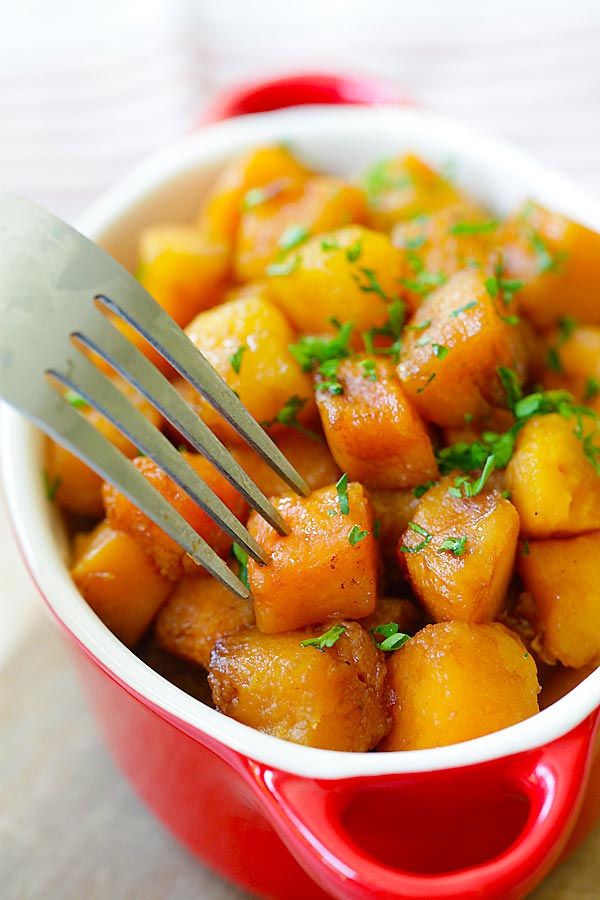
(300, 90)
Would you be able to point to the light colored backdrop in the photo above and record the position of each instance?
(87, 90)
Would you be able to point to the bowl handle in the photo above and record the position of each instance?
(300, 90)
(308, 816)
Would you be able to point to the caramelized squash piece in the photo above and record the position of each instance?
(559, 262)
(555, 488)
(312, 207)
(310, 457)
(460, 558)
(326, 566)
(76, 487)
(199, 612)
(562, 578)
(455, 681)
(405, 187)
(120, 582)
(332, 698)
(372, 430)
(449, 360)
(171, 559)
(248, 180)
(247, 340)
(350, 275)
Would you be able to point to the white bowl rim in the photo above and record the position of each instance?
(35, 526)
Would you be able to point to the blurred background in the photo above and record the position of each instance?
(87, 89)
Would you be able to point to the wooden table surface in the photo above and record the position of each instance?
(71, 828)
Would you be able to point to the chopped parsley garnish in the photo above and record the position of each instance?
(545, 262)
(371, 283)
(312, 351)
(392, 329)
(567, 325)
(462, 309)
(259, 195)
(284, 268)
(74, 399)
(342, 492)
(376, 529)
(354, 251)
(369, 369)
(292, 236)
(329, 244)
(50, 487)
(415, 243)
(421, 489)
(333, 387)
(420, 327)
(393, 638)
(492, 286)
(325, 640)
(242, 558)
(422, 544)
(592, 386)
(472, 227)
(526, 550)
(464, 487)
(380, 180)
(236, 359)
(355, 535)
(553, 360)
(511, 385)
(456, 545)
(424, 282)
(427, 383)
(440, 351)
(288, 415)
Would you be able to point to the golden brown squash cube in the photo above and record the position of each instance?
(248, 180)
(287, 219)
(555, 488)
(199, 612)
(403, 188)
(73, 485)
(349, 275)
(311, 459)
(562, 578)
(460, 556)
(326, 566)
(449, 358)
(455, 681)
(120, 582)
(247, 340)
(372, 430)
(332, 698)
(181, 269)
(559, 262)
(171, 559)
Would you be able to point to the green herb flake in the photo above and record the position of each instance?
(393, 638)
(325, 640)
(526, 550)
(462, 309)
(328, 244)
(371, 283)
(74, 399)
(242, 558)
(293, 236)
(415, 243)
(288, 415)
(511, 385)
(427, 383)
(511, 320)
(440, 351)
(460, 228)
(342, 492)
(420, 327)
(545, 262)
(236, 359)
(353, 253)
(553, 360)
(422, 544)
(369, 370)
(355, 535)
(468, 418)
(333, 387)
(592, 387)
(284, 268)
(421, 489)
(377, 529)
(567, 325)
(492, 286)
(424, 282)
(50, 486)
(312, 351)
(456, 545)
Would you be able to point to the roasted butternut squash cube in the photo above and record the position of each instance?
(268, 229)
(403, 188)
(559, 262)
(249, 179)
(199, 612)
(332, 698)
(555, 488)
(73, 485)
(247, 342)
(455, 681)
(349, 275)
(449, 358)
(459, 553)
(311, 459)
(372, 430)
(326, 566)
(120, 582)
(171, 559)
(181, 269)
(562, 578)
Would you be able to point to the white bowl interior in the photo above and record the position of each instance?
(170, 186)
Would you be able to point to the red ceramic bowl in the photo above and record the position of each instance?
(487, 818)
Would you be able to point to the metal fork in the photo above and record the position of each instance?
(53, 284)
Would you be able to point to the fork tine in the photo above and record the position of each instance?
(84, 378)
(66, 425)
(170, 341)
(138, 371)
